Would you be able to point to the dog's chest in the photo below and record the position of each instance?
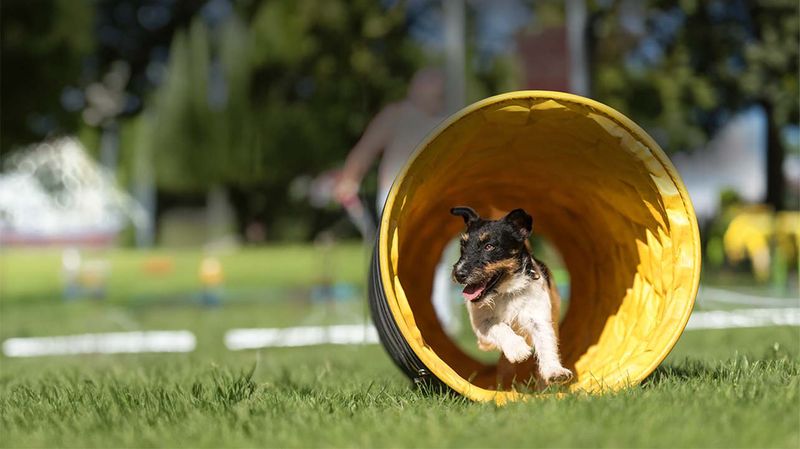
(511, 308)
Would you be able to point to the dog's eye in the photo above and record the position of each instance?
(488, 247)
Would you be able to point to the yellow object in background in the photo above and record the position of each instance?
(210, 272)
(598, 187)
(751, 232)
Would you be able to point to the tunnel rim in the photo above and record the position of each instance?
(425, 354)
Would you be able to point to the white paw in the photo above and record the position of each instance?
(559, 375)
(517, 353)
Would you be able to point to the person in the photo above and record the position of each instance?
(395, 132)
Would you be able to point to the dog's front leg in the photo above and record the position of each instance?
(546, 344)
(502, 336)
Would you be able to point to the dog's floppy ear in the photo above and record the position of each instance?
(467, 213)
(521, 221)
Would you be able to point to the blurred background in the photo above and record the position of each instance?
(176, 164)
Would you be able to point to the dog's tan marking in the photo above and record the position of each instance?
(505, 264)
(464, 237)
(484, 236)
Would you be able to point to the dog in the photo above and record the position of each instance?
(511, 297)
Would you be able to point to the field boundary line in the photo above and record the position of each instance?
(346, 334)
(717, 295)
(343, 334)
(728, 319)
(101, 343)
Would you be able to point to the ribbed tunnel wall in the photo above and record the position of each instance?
(598, 188)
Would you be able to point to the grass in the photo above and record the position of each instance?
(34, 276)
(723, 388)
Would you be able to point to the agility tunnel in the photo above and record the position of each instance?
(599, 189)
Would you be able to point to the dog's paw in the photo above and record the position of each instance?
(558, 376)
(517, 353)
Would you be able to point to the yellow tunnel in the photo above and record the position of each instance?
(598, 187)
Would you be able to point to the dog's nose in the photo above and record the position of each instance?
(460, 273)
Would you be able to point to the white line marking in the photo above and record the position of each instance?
(108, 343)
(712, 294)
(238, 339)
(744, 318)
(347, 334)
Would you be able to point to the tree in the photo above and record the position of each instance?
(44, 45)
(255, 93)
(695, 64)
(250, 106)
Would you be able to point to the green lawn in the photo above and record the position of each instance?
(724, 388)
(35, 275)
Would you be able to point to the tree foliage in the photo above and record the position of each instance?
(44, 44)
(257, 103)
(694, 64)
(251, 105)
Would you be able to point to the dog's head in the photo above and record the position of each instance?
(492, 251)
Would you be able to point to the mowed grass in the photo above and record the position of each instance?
(723, 388)
(35, 276)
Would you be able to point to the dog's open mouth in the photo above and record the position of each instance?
(476, 292)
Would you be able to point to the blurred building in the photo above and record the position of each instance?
(545, 59)
(734, 160)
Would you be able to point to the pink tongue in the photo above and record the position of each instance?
(472, 292)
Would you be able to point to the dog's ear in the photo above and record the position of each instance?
(521, 221)
(467, 213)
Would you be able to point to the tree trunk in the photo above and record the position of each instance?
(240, 202)
(776, 183)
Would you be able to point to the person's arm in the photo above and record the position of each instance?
(364, 153)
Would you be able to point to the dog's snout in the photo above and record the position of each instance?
(460, 273)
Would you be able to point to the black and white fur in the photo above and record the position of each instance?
(512, 301)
